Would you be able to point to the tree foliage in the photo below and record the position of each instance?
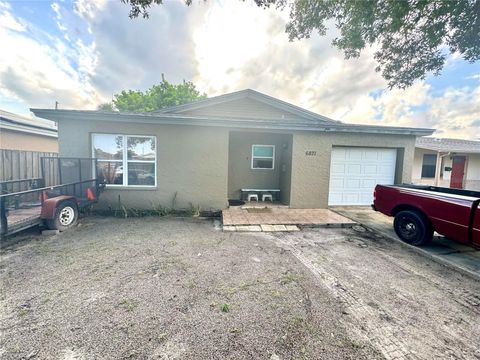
(412, 37)
(157, 97)
(106, 107)
(141, 7)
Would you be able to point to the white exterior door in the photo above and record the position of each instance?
(354, 172)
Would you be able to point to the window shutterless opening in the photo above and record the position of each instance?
(263, 157)
(126, 160)
(429, 165)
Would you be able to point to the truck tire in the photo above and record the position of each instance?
(413, 228)
(66, 216)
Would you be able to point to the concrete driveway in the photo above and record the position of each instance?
(159, 288)
(448, 252)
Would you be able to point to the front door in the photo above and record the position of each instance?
(458, 172)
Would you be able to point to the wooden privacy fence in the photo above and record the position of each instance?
(18, 164)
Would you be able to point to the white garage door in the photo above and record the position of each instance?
(354, 172)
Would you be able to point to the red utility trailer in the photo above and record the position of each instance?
(67, 185)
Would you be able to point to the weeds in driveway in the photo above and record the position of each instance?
(23, 312)
(225, 308)
(128, 304)
(295, 334)
(289, 278)
(356, 345)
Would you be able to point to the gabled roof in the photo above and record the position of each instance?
(15, 122)
(448, 145)
(294, 110)
(189, 114)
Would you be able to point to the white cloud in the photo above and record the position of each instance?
(133, 54)
(240, 46)
(221, 46)
(38, 69)
(456, 113)
(89, 9)
(7, 21)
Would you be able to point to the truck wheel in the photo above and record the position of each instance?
(66, 215)
(412, 227)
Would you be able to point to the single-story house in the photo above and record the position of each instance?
(203, 153)
(447, 162)
(23, 133)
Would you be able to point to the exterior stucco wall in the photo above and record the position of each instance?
(207, 165)
(472, 172)
(15, 140)
(240, 173)
(191, 161)
(311, 174)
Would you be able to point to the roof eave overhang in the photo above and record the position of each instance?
(27, 129)
(457, 151)
(177, 119)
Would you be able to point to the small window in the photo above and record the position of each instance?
(429, 165)
(263, 157)
(125, 160)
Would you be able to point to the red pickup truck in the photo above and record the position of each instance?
(421, 210)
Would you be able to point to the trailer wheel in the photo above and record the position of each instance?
(66, 215)
(412, 227)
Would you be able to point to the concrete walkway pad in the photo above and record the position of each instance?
(276, 216)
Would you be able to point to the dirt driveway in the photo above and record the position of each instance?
(179, 289)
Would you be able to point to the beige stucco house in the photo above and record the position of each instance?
(22, 133)
(204, 153)
(447, 162)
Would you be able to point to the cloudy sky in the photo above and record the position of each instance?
(81, 52)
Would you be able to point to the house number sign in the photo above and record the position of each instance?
(310, 153)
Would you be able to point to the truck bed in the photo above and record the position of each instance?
(442, 190)
(453, 213)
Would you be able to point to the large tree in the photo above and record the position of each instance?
(412, 38)
(157, 97)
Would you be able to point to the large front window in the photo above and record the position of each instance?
(125, 160)
(263, 157)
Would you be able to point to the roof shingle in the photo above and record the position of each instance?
(448, 145)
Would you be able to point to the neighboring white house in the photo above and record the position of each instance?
(447, 162)
(19, 132)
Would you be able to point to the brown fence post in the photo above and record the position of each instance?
(3, 212)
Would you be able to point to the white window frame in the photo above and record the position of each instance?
(263, 157)
(124, 161)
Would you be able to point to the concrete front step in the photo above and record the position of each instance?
(259, 228)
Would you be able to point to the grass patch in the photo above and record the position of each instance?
(225, 308)
(128, 304)
(156, 209)
(289, 278)
(23, 312)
